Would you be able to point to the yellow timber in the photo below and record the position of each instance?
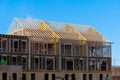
(71, 29)
(44, 26)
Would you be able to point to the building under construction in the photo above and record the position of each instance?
(115, 72)
(42, 50)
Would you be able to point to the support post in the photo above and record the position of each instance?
(29, 57)
(86, 57)
(60, 56)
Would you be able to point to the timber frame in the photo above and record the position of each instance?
(49, 48)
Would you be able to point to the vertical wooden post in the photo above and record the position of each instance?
(53, 63)
(95, 65)
(55, 46)
(110, 50)
(71, 50)
(9, 44)
(13, 46)
(45, 63)
(18, 45)
(107, 65)
(73, 63)
(47, 48)
(64, 50)
(59, 56)
(86, 57)
(29, 56)
(1, 45)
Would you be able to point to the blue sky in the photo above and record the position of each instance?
(104, 15)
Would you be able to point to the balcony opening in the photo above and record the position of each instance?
(16, 46)
(69, 64)
(14, 60)
(103, 66)
(23, 46)
(36, 63)
(51, 49)
(4, 60)
(49, 64)
(68, 51)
